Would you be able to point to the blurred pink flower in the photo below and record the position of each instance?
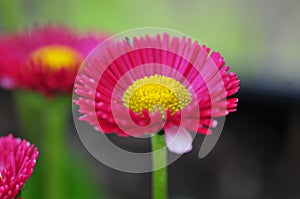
(17, 160)
(45, 58)
(161, 82)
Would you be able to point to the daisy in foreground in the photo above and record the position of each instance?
(17, 160)
(162, 86)
(152, 84)
(45, 58)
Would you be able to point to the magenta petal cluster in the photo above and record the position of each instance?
(172, 66)
(17, 160)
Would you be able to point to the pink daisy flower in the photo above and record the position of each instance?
(17, 160)
(156, 83)
(45, 59)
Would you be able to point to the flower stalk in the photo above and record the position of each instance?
(55, 119)
(44, 120)
(159, 165)
(30, 112)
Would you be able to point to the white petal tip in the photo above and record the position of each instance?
(178, 140)
(180, 150)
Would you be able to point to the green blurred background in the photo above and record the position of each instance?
(258, 154)
(258, 38)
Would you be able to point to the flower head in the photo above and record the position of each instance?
(155, 83)
(17, 160)
(45, 59)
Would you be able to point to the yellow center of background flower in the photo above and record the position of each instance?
(156, 93)
(56, 57)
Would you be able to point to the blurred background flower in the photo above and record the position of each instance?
(45, 59)
(258, 155)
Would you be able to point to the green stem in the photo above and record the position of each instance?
(58, 174)
(29, 105)
(55, 119)
(159, 165)
(43, 121)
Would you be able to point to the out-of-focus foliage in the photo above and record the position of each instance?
(257, 37)
(216, 25)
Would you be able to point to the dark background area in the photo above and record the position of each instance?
(256, 157)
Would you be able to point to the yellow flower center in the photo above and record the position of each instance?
(156, 93)
(56, 56)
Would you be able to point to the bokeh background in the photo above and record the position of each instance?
(258, 154)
